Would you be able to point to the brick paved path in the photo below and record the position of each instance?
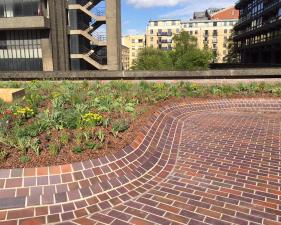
(202, 162)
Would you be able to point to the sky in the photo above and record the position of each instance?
(137, 13)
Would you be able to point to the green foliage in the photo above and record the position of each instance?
(35, 146)
(3, 155)
(64, 138)
(152, 59)
(54, 148)
(77, 150)
(24, 159)
(120, 126)
(100, 135)
(185, 56)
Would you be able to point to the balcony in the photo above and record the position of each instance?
(27, 22)
(164, 34)
(165, 41)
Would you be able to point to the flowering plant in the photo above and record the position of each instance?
(92, 119)
(24, 112)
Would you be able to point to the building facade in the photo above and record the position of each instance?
(212, 28)
(135, 43)
(159, 33)
(258, 32)
(125, 58)
(52, 35)
(212, 34)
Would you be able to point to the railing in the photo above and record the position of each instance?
(165, 41)
(101, 36)
(165, 34)
(99, 11)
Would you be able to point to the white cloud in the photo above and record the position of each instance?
(190, 4)
(195, 5)
(155, 3)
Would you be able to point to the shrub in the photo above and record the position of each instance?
(25, 113)
(24, 159)
(120, 126)
(64, 138)
(77, 150)
(92, 119)
(54, 148)
(3, 155)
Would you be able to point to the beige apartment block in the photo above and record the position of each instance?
(159, 33)
(212, 28)
(125, 58)
(135, 43)
(213, 34)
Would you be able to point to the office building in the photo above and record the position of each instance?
(258, 32)
(60, 35)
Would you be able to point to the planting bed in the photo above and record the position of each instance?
(58, 123)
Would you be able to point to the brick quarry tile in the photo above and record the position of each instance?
(201, 162)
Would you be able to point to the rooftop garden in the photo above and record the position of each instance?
(63, 122)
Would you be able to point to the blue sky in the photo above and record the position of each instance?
(136, 13)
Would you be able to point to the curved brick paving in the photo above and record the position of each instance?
(201, 162)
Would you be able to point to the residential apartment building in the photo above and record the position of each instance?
(125, 58)
(135, 43)
(212, 28)
(52, 35)
(258, 32)
(159, 33)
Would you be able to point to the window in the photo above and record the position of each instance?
(225, 31)
(18, 8)
(151, 31)
(215, 33)
(215, 24)
(140, 41)
(279, 12)
(156, 23)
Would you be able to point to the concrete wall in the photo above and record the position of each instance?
(21, 23)
(59, 35)
(113, 27)
(139, 75)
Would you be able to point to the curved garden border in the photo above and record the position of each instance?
(65, 193)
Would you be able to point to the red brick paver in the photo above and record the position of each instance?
(201, 162)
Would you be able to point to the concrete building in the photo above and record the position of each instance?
(125, 58)
(52, 35)
(258, 32)
(212, 28)
(135, 43)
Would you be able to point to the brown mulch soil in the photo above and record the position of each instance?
(111, 146)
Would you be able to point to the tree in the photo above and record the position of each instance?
(232, 55)
(187, 56)
(184, 56)
(152, 59)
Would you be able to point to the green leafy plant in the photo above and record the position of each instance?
(24, 159)
(77, 150)
(3, 155)
(92, 119)
(54, 148)
(64, 138)
(35, 146)
(100, 135)
(120, 126)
